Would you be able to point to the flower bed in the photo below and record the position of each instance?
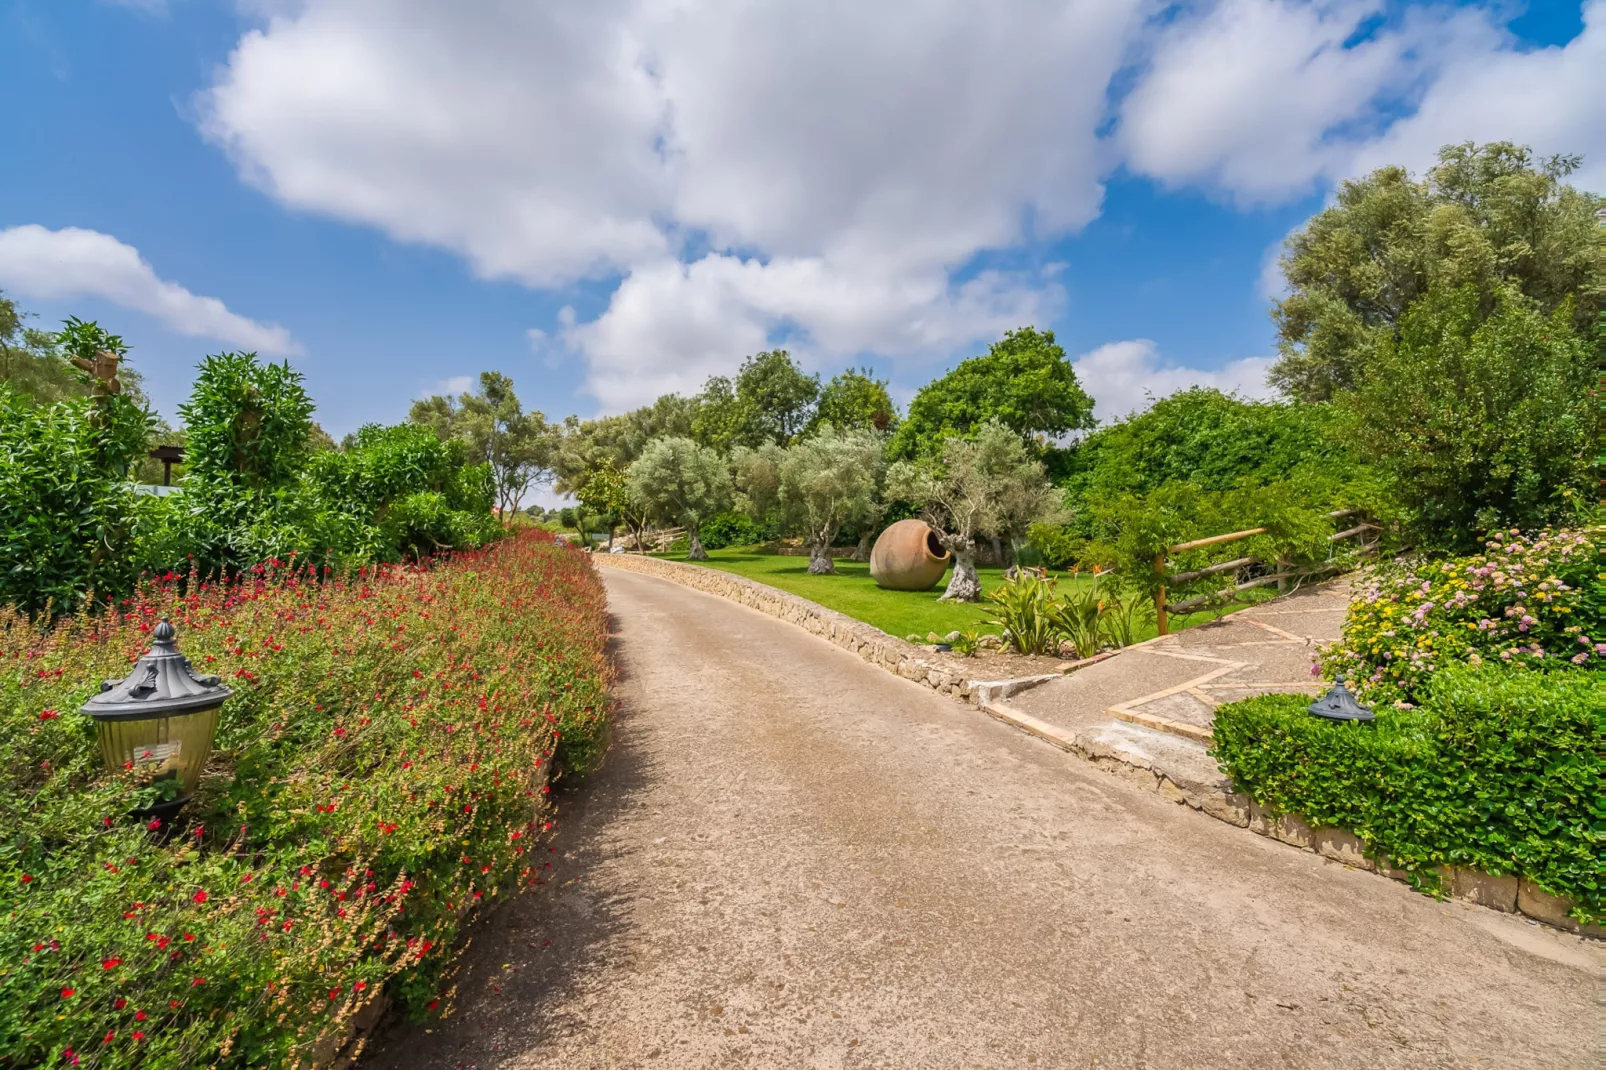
(1538, 601)
(1497, 769)
(381, 768)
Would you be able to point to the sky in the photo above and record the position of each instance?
(611, 199)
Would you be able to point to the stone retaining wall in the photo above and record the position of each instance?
(870, 643)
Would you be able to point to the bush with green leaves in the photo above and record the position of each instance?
(67, 508)
(381, 770)
(736, 529)
(1479, 413)
(1056, 544)
(1497, 769)
(1538, 601)
(1208, 439)
(414, 493)
(1134, 529)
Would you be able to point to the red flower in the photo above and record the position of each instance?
(200, 896)
(110, 964)
(68, 993)
(197, 981)
(358, 986)
(111, 1034)
(48, 715)
(433, 1004)
(139, 1016)
(138, 1035)
(27, 878)
(121, 1003)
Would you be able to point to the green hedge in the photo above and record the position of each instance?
(380, 769)
(1498, 769)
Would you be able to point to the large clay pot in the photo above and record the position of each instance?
(908, 557)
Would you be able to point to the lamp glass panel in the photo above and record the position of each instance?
(179, 744)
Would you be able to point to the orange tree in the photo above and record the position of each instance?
(382, 768)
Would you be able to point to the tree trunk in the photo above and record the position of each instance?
(861, 552)
(998, 551)
(963, 585)
(611, 528)
(695, 551)
(820, 563)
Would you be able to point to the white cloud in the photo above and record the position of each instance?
(451, 388)
(55, 265)
(1126, 377)
(1263, 99)
(747, 170)
(830, 163)
(671, 325)
(1553, 99)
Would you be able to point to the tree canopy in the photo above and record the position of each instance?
(1024, 382)
(1487, 216)
(1477, 422)
(856, 399)
(518, 445)
(676, 481)
(769, 400)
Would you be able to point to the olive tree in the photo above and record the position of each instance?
(982, 486)
(677, 481)
(827, 482)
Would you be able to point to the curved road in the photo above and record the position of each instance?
(793, 859)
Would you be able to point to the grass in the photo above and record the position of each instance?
(899, 613)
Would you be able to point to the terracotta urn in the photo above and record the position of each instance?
(908, 557)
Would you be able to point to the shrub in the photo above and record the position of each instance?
(380, 769)
(1026, 610)
(1058, 546)
(1532, 600)
(66, 505)
(1478, 417)
(1498, 769)
(736, 529)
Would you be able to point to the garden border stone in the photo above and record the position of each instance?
(1217, 798)
(870, 643)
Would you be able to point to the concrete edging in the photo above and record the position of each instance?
(1510, 895)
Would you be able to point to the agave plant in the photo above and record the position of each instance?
(1077, 617)
(1125, 613)
(1025, 610)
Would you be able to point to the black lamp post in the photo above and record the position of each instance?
(160, 719)
(1339, 705)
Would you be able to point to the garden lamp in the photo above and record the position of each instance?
(1339, 705)
(160, 719)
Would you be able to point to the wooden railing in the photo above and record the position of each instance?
(1162, 610)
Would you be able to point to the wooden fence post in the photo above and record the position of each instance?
(1162, 626)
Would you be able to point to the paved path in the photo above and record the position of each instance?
(794, 859)
(1153, 705)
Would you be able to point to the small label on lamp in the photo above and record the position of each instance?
(156, 753)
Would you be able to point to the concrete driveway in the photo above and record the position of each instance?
(794, 859)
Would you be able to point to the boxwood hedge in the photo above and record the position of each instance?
(1498, 769)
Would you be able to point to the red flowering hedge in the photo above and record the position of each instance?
(381, 768)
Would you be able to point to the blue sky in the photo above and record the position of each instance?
(395, 197)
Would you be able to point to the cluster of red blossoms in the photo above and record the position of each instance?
(382, 766)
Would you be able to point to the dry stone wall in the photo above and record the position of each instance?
(872, 644)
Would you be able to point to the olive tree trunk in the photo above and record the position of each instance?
(694, 548)
(963, 585)
(820, 563)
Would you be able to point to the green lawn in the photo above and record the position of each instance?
(854, 593)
